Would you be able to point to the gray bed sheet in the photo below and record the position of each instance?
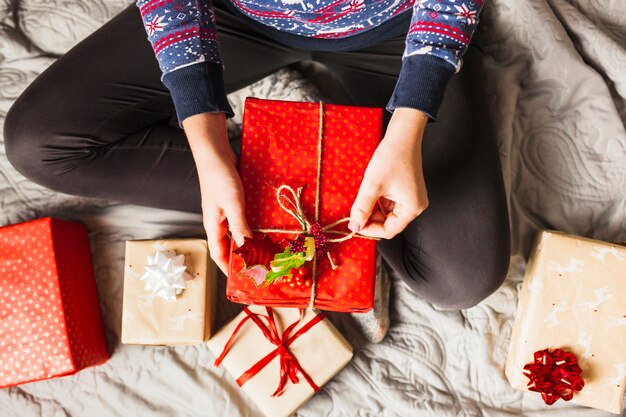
(557, 89)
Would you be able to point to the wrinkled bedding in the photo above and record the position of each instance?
(558, 95)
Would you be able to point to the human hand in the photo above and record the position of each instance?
(220, 185)
(393, 191)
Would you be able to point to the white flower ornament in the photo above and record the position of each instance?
(165, 274)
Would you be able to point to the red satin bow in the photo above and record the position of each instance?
(554, 374)
(289, 365)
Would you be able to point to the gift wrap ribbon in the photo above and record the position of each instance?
(289, 365)
(165, 274)
(554, 374)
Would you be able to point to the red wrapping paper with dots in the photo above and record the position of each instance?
(279, 147)
(50, 322)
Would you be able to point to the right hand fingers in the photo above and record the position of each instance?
(217, 239)
(217, 223)
(235, 214)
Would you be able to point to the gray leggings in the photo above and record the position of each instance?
(99, 123)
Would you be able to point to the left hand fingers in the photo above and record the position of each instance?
(384, 230)
(385, 205)
(394, 223)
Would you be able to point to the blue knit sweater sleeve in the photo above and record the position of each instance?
(439, 35)
(183, 36)
(184, 39)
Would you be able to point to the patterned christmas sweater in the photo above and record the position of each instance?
(184, 39)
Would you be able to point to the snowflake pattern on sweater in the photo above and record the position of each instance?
(442, 28)
(183, 32)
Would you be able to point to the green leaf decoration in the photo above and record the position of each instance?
(282, 264)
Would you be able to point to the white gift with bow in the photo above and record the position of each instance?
(165, 274)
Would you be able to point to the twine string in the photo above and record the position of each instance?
(318, 180)
(320, 136)
(298, 213)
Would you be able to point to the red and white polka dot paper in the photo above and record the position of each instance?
(279, 146)
(50, 321)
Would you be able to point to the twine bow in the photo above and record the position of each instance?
(316, 229)
(289, 365)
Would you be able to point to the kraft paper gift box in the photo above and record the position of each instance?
(50, 323)
(324, 149)
(319, 349)
(149, 317)
(573, 297)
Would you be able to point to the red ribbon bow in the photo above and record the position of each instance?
(554, 374)
(289, 365)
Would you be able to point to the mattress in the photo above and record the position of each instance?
(557, 93)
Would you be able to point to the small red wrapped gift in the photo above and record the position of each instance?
(50, 322)
(301, 166)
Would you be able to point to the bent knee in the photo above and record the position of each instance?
(22, 145)
(32, 149)
(463, 296)
(457, 285)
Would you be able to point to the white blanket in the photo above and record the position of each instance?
(558, 88)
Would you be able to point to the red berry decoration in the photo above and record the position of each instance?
(301, 271)
(320, 250)
(554, 374)
(320, 240)
(317, 230)
(297, 245)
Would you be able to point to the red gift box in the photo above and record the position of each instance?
(50, 322)
(280, 143)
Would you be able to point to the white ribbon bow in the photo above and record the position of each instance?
(165, 274)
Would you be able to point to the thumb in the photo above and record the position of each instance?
(237, 223)
(363, 206)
